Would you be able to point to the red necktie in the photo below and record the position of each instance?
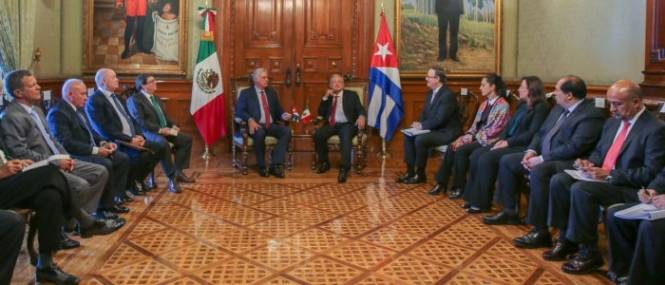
(266, 109)
(613, 152)
(333, 111)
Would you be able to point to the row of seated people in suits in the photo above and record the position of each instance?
(540, 141)
(89, 186)
(340, 110)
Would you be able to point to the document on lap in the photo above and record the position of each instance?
(641, 212)
(412, 132)
(45, 161)
(583, 176)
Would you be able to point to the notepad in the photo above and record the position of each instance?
(412, 132)
(45, 162)
(581, 175)
(641, 212)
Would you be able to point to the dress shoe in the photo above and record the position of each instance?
(104, 214)
(456, 193)
(125, 54)
(441, 58)
(474, 210)
(404, 177)
(263, 172)
(502, 218)
(455, 58)
(104, 227)
(69, 243)
(416, 179)
(174, 186)
(277, 171)
(181, 177)
(323, 167)
(466, 205)
(145, 187)
(119, 209)
(53, 274)
(136, 191)
(560, 251)
(534, 239)
(436, 190)
(118, 200)
(585, 261)
(341, 177)
(150, 182)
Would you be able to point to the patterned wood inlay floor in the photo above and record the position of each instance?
(306, 229)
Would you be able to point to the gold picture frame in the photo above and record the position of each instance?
(417, 27)
(105, 23)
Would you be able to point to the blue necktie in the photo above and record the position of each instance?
(118, 105)
(85, 124)
(45, 134)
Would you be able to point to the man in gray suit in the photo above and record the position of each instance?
(25, 134)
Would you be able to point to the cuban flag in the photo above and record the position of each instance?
(385, 109)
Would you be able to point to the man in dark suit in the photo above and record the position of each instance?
(259, 106)
(448, 13)
(149, 112)
(344, 115)
(12, 229)
(69, 125)
(637, 247)
(110, 120)
(628, 156)
(441, 116)
(570, 131)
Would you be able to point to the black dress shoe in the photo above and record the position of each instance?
(136, 191)
(404, 177)
(560, 251)
(455, 58)
(341, 177)
(68, 243)
(263, 172)
(105, 214)
(181, 177)
(119, 200)
(534, 239)
(587, 260)
(436, 190)
(466, 205)
(118, 209)
(323, 167)
(54, 274)
(104, 227)
(502, 218)
(416, 179)
(125, 54)
(456, 193)
(473, 210)
(174, 186)
(277, 171)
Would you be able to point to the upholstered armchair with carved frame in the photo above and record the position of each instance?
(359, 141)
(242, 140)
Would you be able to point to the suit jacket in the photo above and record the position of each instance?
(642, 155)
(577, 134)
(248, 105)
(105, 121)
(528, 126)
(22, 136)
(449, 7)
(441, 115)
(351, 105)
(66, 126)
(658, 183)
(497, 119)
(141, 110)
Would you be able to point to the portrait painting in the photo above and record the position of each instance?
(136, 36)
(461, 35)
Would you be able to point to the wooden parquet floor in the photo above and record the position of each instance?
(306, 229)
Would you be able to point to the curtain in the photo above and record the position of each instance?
(9, 38)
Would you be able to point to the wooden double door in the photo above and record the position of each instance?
(300, 43)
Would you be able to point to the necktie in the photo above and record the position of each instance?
(333, 112)
(615, 149)
(85, 124)
(158, 110)
(266, 109)
(45, 135)
(125, 120)
(547, 141)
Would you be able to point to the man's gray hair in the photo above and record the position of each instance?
(99, 77)
(67, 86)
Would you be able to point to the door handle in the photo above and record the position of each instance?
(287, 77)
(298, 75)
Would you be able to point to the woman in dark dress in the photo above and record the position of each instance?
(530, 114)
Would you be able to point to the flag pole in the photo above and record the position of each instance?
(384, 150)
(207, 153)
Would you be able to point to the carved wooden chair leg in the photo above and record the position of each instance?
(245, 156)
(314, 160)
(30, 240)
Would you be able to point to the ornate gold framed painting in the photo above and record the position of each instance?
(462, 35)
(135, 36)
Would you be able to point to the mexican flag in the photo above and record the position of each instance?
(207, 107)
